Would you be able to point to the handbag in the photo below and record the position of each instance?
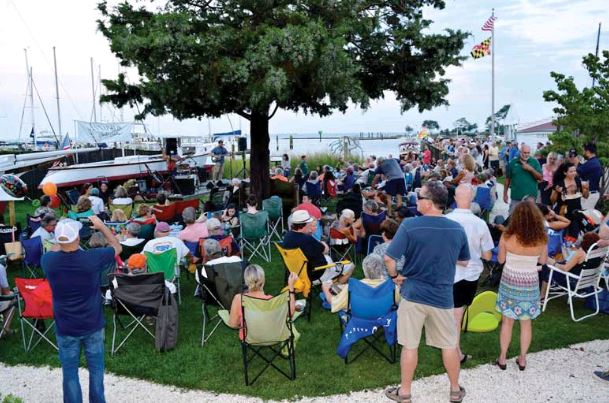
(166, 332)
(14, 249)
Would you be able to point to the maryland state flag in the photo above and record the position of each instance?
(482, 49)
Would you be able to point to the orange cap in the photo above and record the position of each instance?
(136, 261)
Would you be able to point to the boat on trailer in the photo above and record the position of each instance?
(121, 168)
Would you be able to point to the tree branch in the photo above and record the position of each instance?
(243, 114)
(274, 111)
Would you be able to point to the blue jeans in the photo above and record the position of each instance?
(69, 356)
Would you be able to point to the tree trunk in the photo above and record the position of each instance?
(259, 156)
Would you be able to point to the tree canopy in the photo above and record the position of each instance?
(463, 126)
(198, 58)
(584, 112)
(431, 125)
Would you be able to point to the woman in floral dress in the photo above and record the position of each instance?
(522, 247)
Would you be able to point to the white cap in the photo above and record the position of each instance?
(67, 230)
(301, 217)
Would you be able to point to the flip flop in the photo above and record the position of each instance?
(457, 396)
(394, 394)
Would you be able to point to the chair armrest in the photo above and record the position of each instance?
(224, 315)
(327, 266)
(566, 273)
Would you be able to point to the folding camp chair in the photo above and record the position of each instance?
(33, 223)
(226, 244)
(555, 242)
(255, 235)
(32, 249)
(147, 232)
(584, 285)
(267, 330)
(218, 285)
(136, 296)
(129, 250)
(127, 208)
(274, 207)
(8, 306)
(370, 309)
(165, 213)
(340, 246)
(72, 195)
(296, 262)
(36, 294)
(166, 263)
(373, 241)
(481, 316)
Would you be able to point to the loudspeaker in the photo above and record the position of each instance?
(186, 184)
(242, 144)
(171, 146)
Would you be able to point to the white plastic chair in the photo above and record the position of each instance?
(587, 282)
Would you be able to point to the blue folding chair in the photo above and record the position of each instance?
(370, 310)
(484, 200)
(555, 241)
(33, 223)
(373, 240)
(193, 247)
(32, 249)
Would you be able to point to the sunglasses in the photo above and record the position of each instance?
(419, 197)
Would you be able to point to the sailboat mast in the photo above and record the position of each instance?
(57, 94)
(93, 90)
(493, 79)
(598, 39)
(31, 94)
(100, 91)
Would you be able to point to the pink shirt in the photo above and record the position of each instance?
(193, 232)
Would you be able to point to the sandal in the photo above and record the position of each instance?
(457, 396)
(520, 367)
(465, 358)
(394, 394)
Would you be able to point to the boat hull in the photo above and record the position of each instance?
(122, 168)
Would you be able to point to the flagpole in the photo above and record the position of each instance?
(493, 79)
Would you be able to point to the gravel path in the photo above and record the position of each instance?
(551, 375)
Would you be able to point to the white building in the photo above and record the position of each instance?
(536, 132)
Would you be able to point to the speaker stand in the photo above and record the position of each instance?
(243, 170)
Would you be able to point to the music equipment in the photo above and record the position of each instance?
(171, 146)
(186, 183)
(141, 185)
(242, 144)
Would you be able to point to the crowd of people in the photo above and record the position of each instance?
(426, 212)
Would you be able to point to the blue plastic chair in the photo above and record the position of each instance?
(32, 249)
(368, 304)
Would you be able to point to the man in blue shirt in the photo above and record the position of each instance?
(513, 151)
(217, 156)
(433, 245)
(75, 278)
(590, 171)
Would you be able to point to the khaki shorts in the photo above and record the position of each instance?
(439, 324)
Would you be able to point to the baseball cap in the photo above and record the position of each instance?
(301, 217)
(162, 227)
(67, 230)
(136, 261)
(573, 152)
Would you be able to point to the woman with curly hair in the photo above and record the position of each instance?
(522, 247)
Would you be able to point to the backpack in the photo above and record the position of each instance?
(166, 335)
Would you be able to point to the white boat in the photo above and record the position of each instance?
(121, 168)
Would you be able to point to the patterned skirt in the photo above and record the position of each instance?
(518, 295)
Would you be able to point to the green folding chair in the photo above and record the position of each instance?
(256, 235)
(268, 335)
(166, 263)
(274, 207)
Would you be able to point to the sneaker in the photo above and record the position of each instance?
(602, 375)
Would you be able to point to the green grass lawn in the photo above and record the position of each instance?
(218, 366)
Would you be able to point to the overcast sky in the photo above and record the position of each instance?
(532, 38)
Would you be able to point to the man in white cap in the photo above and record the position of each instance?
(75, 278)
(316, 252)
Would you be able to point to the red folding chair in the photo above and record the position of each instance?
(165, 213)
(36, 294)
